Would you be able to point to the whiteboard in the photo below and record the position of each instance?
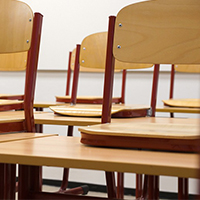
(67, 22)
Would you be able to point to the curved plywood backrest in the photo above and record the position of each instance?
(159, 32)
(93, 53)
(16, 20)
(13, 61)
(83, 68)
(86, 69)
(188, 68)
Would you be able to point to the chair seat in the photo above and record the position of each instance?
(178, 135)
(86, 99)
(188, 103)
(92, 110)
(12, 96)
(10, 104)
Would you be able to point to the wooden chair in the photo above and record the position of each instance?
(100, 39)
(165, 26)
(181, 103)
(19, 38)
(90, 99)
(89, 56)
(92, 53)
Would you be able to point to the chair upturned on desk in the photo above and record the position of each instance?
(185, 104)
(158, 32)
(19, 51)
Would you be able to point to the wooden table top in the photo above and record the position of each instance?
(61, 151)
(9, 137)
(51, 118)
(54, 119)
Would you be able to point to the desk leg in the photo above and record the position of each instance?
(2, 178)
(138, 190)
(111, 187)
(156, 187)
(120, 185)
(153, 187)
(182, 188)
(28, 181)
(39, 127)
(10, 181)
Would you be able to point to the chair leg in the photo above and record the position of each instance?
(78, 190)
(120, 185)
(111, 187)
(39, 127)
(138, 190)
(182, 188)
(145, 186)
(186, 187)
(151, 187)
(63, 188)
(64, 180)
(83, 189)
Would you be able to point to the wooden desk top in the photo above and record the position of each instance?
(177, 109)
(51, 118)
(8, 137)
(54, 119)
(48, 118)
(68, 152)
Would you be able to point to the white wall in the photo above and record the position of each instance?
(51, 83)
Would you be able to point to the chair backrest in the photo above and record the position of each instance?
(93, 54)
(93, 69)
(71, 63)
(92, 57)
(187, 68)
(13, 61)
(157, 31)
(19, 49)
